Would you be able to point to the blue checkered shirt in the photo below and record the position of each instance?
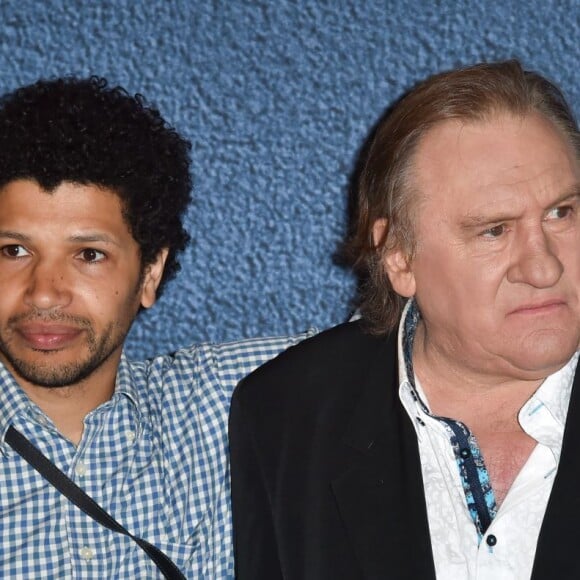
(154, 456)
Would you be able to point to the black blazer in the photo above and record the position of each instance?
(326, 476)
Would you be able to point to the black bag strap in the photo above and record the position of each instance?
(87, 504)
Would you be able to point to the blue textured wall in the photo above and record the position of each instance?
(277, 96)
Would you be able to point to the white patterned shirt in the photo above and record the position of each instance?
(154, 456)
(505, 548)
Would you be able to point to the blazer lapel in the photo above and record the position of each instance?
(557, 550)
(380, 496)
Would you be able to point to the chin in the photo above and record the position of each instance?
(545, 358)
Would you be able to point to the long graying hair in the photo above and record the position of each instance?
(385, 187)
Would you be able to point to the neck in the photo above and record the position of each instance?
(456, 390)
(68, 406)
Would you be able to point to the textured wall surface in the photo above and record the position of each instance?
(277, 97)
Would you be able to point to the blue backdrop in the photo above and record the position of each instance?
(277, 97)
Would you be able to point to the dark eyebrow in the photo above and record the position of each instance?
(14, 236)
(80, 238)
(89, 238)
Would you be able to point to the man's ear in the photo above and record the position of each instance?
(396, 262)
(152, 278)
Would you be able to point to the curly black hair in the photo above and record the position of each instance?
(83, 131)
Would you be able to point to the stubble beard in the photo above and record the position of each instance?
(100, 348)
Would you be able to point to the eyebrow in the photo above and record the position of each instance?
(79, 238)
(477, 221)
(14, 236)
(571, 193)
(89, 238)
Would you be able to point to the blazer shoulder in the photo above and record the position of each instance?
(348, 339)
(334, 357)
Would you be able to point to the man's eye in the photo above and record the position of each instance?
(15, 251)
(494, 232)
(558, 213)
(91, 255)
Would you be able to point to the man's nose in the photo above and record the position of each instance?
(535, 261)
(48, 286)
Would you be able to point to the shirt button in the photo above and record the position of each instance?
(130, 436)
(86, 553)
(81, 469)
(491, 540)
(465, 453)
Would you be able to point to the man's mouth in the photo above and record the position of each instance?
(48, 336)
(540, 306)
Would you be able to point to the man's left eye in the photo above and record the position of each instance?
(558, 213)
(495, 231)
(91, 255)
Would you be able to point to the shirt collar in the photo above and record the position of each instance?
(410, 392)
(126, 383)
(406, 337)
(14, 401)
(543, 416)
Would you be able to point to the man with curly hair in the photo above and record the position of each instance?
(93, 188)
(437, 436)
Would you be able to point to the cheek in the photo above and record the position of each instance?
(438, 269)
(454, 286)
(106, 302)
(570, 259)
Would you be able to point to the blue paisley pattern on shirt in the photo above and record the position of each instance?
(474, 475)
